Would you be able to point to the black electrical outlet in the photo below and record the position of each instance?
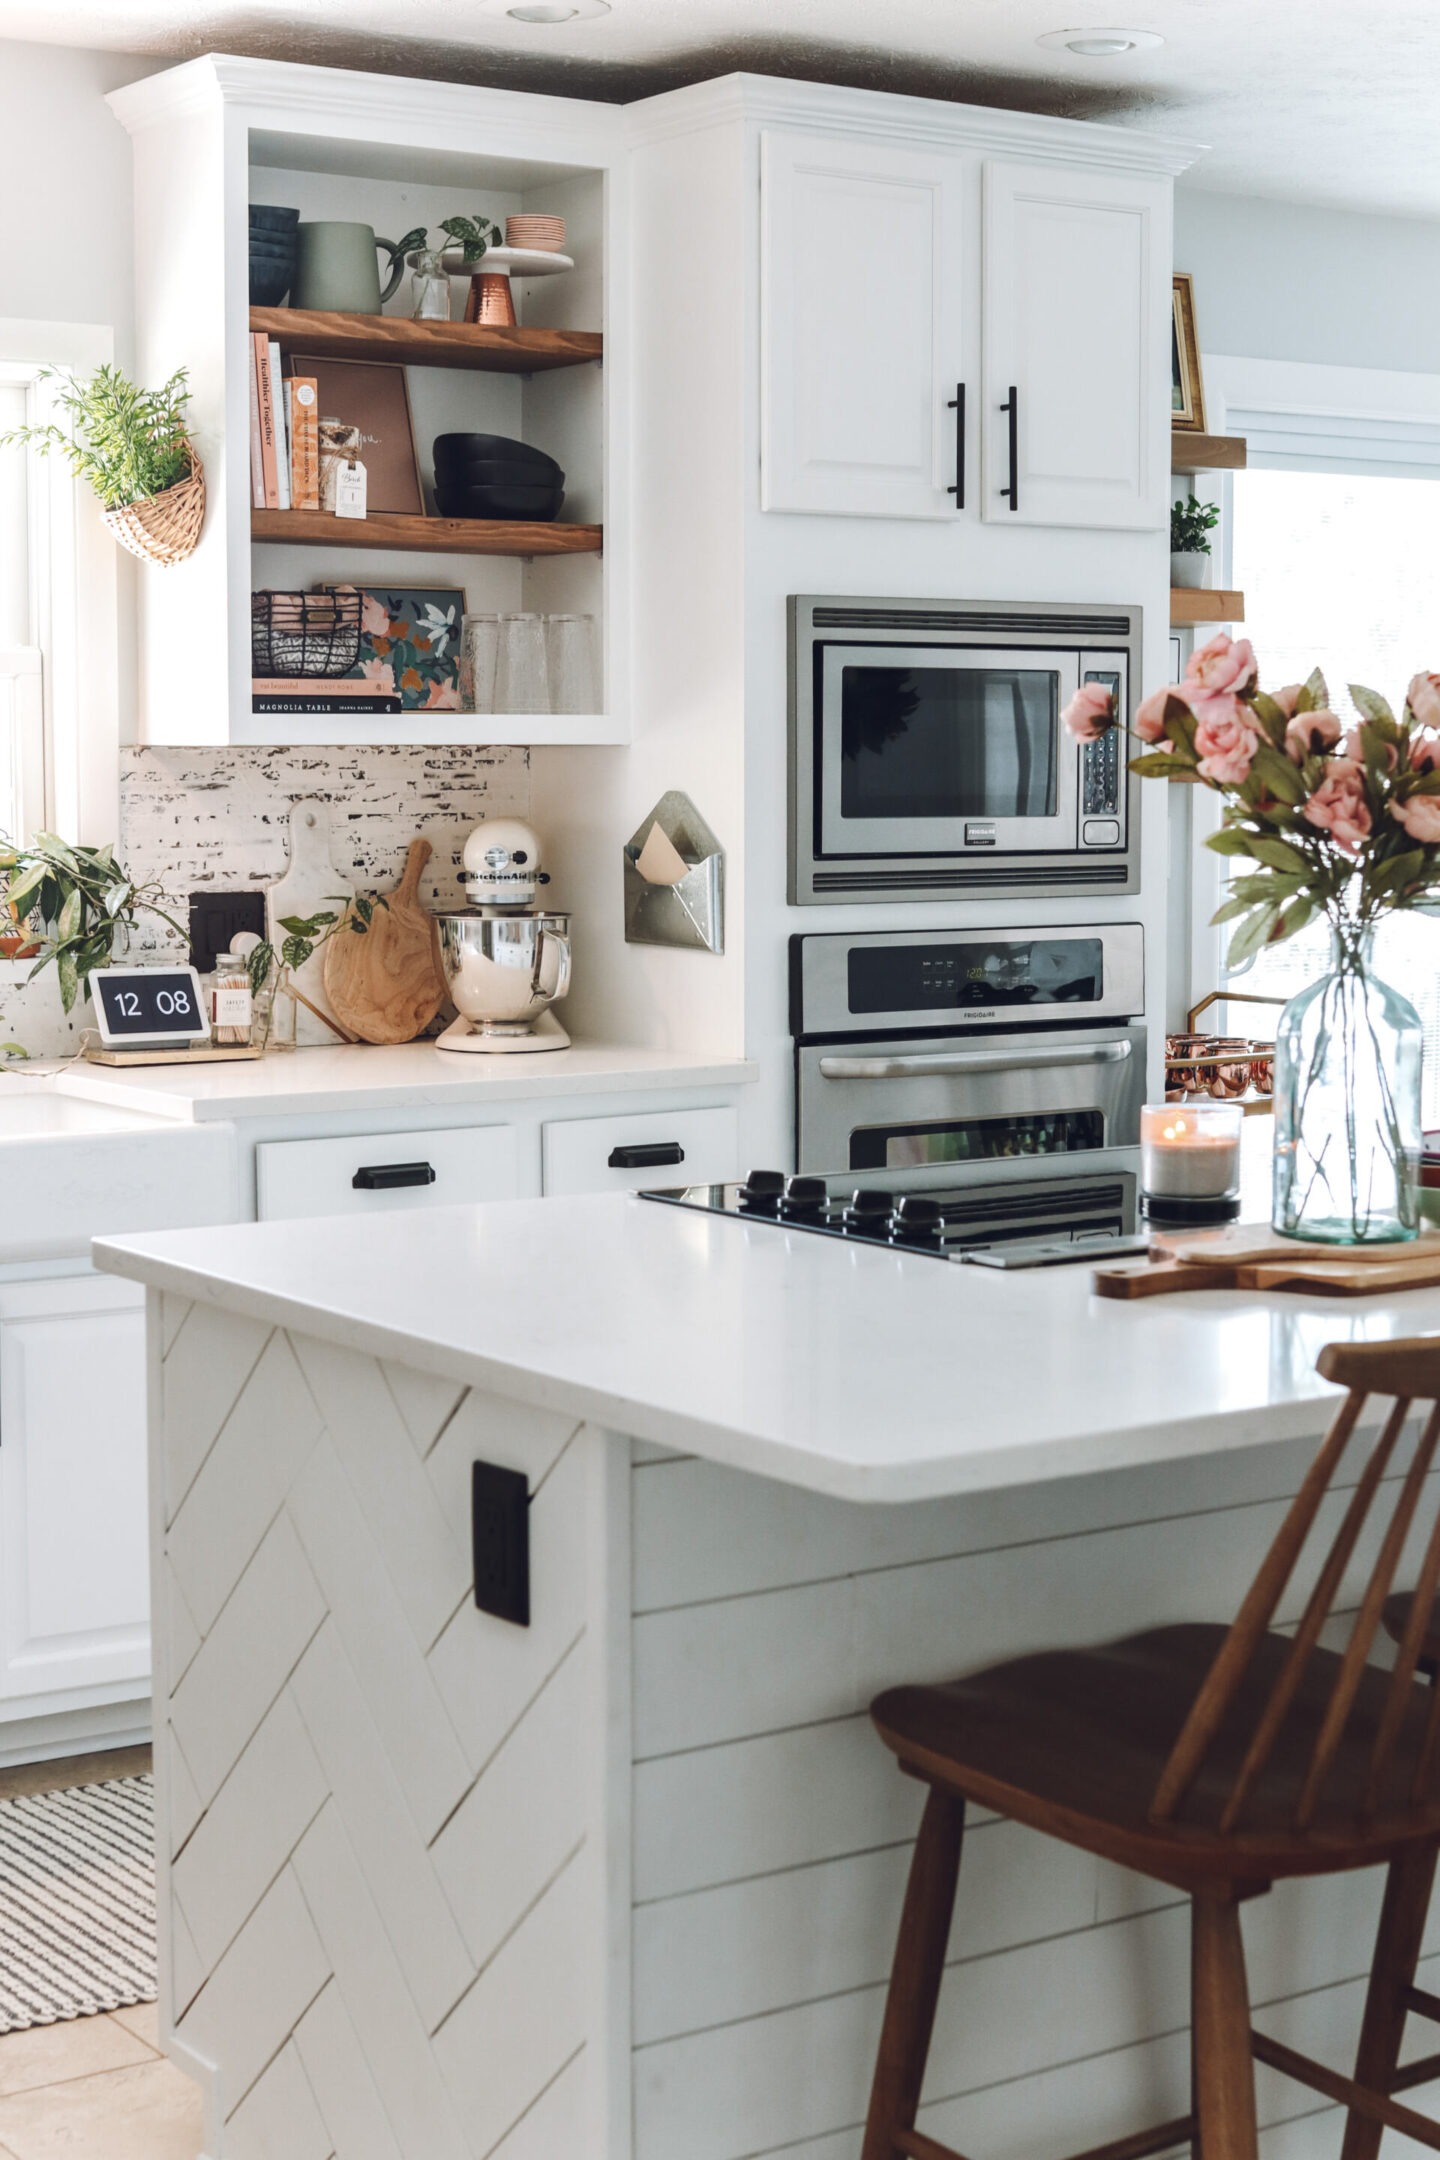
(216, 918)
(500, 1536)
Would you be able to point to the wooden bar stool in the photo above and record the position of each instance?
(1218, 1761)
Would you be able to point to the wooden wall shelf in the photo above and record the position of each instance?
(427, 344)
(1205, 453)
(422, 535)
(1204, 607)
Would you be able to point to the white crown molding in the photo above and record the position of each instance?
(871, 114)
(320, 101)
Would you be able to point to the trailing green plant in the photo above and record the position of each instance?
(1191, 525)
(474, 235)
(124, 442)
(82, 900)
(305, 934)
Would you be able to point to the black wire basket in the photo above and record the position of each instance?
(305, 633)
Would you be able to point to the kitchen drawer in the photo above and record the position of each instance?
(319, 1177)
(582, 1155)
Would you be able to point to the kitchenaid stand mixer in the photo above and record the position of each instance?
(506, 961)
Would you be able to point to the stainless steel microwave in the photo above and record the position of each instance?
(927, 756)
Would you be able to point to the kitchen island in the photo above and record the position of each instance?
(624, 1881)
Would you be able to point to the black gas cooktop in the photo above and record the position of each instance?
(949, 1224)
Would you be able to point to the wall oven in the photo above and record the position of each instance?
(952, 1057)
(927, 758)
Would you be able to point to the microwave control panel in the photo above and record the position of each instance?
(1102, 770)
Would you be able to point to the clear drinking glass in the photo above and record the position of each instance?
(479, 651)
(522, 680)
(570, 657)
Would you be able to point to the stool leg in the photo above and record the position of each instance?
(1408, 1884)
(1224, 2070)
(915, 1976)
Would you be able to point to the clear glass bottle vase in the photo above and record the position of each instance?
(1347, 1104)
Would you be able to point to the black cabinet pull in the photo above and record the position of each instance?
(388, 1176)
(648, 1155)
(1012, 406)
(957, 406)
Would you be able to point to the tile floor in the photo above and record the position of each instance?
(95, 2088)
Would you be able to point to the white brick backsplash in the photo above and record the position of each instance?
(220, 818)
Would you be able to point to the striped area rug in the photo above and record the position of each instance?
(77, 1902)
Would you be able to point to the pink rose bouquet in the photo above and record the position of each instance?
(1341, 822)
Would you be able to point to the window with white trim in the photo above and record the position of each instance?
(1333, 541)
(60, 700)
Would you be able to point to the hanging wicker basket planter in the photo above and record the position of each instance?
(164, 528)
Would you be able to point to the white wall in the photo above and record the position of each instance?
(65, 241)
(1283, 281)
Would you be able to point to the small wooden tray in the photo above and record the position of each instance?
(1250, 1257)
(215, 1055)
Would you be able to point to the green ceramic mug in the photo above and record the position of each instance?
(336, 270)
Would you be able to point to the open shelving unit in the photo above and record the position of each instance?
(1195, 453)
(1192, 453)
(514, 351)
(395, 154)
(1187, 607)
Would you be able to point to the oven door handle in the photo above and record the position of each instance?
(937, 1064)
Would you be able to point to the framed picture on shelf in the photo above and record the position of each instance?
(410, 644)
(1187, 392)
(373, 396)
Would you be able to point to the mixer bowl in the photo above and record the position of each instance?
(503, 970)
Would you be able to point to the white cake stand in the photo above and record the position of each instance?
(491, 298)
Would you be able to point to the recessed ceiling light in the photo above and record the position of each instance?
(1104, 44)
(556, 11)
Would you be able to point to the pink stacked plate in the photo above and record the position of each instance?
(545, 233)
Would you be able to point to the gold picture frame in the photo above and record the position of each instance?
(1187, 390)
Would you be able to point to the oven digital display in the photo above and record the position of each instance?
(993, 971)
(971, 1140)
(948, 742)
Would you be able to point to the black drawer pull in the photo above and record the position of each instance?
(389, 1176)
(1012, 407)
(647, 1156)
(957, 485)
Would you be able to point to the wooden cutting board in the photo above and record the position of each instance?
(1251, 1258)
(387, 985)
(311, 885)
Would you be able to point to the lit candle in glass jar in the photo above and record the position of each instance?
(1190, 1161)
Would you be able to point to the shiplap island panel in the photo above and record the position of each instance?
(623, 1885)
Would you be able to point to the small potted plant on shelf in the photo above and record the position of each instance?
(81, 902)
(131, 448)
(1191, 524)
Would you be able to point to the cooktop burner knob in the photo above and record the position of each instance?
(869, 1212)
(805, 1196)
(762, 1191)
(917, 1219)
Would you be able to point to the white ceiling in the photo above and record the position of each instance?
(1320, 101)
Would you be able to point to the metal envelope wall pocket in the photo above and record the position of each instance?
(675, 879)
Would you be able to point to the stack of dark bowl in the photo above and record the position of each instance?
(492, 476)
(272, 253)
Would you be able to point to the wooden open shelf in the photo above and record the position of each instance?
(426, 344)
(1204, 607)
(424, 535)
(1192, 453)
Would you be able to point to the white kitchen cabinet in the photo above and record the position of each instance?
(74, 1539)
(652, 1147)
(862, 323)
(1075, 328)
(368, 1173)
(892, 346)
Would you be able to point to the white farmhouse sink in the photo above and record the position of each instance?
(71, 1171)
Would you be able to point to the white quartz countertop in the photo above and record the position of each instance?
(860, 1373)
(359, 1076)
